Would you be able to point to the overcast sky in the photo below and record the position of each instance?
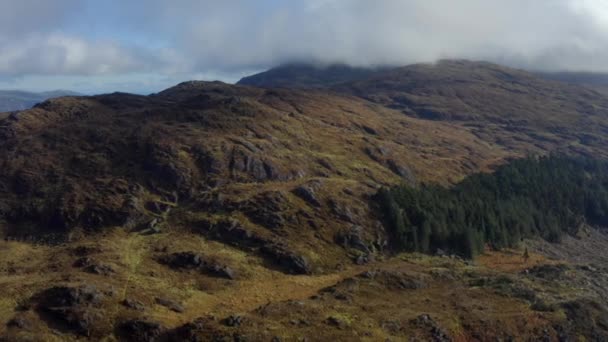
(147, 45)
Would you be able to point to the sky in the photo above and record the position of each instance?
(144, 46)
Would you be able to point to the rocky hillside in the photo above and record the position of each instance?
(597, 81)
(236, 204)
(11, 100)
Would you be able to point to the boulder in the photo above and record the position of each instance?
(191, 261)
(307, 193)
(100, 269)
(191, 332)
(233, 321)
(74, 308)
(140, 331)
(401, 170)
(436, 333)
(288, 260)
(342, 211)
(353, 238)
(338, 322)
(19, 323)
(133, 304)
(232, 232)
(170, 304)
(89, 265)
(266, 209)
(244, 161)
(218, 270)
(182, 260)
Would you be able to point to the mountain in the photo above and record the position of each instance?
(307, 76)
(11, 100)
(216, 211)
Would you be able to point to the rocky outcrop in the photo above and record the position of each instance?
(89, 265)
(170, 304)
(140, 331)
(307, 192)
(286, 259)
(73, 309)
(266, 209)
(190, 260)
(433, 329)
(232, 232)
(133, 304)
(244, 161)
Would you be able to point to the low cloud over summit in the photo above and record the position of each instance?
(147, 43)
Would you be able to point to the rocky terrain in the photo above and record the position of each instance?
(211, 211)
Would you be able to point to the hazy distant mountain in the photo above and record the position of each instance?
(19, 100)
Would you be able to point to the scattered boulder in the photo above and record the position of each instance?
(233, 321)
(89, 265)
(170, 304)
(244, 161)
(266, 209)
(183, 260)
(133, 304)
(84, 262)
(289, 261)
(73, 308)
(369, 130)
(58, 297)
(218, 270)
(307, 193)
(191, 332)
(353, 239)
(363, 259)
(100, 269)
(342, 211)
(427, 323)
(548, 272)
(140, 331)
(401, 170)
(326, 164)
(82, 251)
(19, 323)
(588, 318)
(338, 322)
(191, 260)
(232, 232)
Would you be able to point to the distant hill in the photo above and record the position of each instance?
(307, 76)
(11, 100)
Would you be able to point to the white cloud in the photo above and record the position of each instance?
(61, 54)
(187, 37)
